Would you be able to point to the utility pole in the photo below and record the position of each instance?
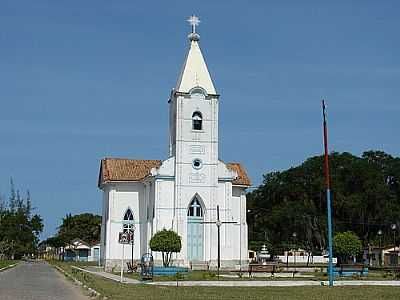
(328, 195)
(219, 223)
(122, 264)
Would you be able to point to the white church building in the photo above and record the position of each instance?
(183, 191)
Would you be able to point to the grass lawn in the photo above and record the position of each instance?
(115, 290)
(204, 275)
(317, 276)
(5, 263)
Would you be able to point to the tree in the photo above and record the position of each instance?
(54, 242)
(365, 198)
(346, 244)
(84, 226)
(166, 242)
(4, 248)
(19, 228)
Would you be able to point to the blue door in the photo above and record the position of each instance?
(83, 254)
(96, 254)
(195, 231)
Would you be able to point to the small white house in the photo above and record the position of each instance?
(391, 256)
(79, 250)
(382, 256)
(94, 254)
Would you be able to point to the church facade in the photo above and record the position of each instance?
(183, 191)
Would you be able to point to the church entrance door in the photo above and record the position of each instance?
(195, 231)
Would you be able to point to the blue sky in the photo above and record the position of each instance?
(81, 80)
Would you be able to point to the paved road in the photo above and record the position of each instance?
(37, 281)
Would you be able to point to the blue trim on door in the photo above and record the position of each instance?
(195, 238)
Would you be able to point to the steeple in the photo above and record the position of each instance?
(194, 72)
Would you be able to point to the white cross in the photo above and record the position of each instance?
(193, 21)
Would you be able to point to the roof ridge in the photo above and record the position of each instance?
(130, 159)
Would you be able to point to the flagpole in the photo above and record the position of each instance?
(328, 196)
(219, 242)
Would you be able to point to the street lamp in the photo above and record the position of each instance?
(257, 212)
(294, 235)
(380, 232)
(393, 226)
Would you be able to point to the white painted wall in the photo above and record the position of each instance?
(121, 197)
(162, 200)
(91, 257)
(104, 224)
(303, 259)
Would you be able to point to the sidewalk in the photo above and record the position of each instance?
(277, 283)
(244, 283)
(101, 273)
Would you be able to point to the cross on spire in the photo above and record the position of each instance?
(194, 21)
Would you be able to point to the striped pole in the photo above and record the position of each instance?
(328, 196)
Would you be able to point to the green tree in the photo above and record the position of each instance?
(166, 242)
(54, 241)
(346, 245)
(365, 198)
(84, 226)
(5, 247)
(19, 228)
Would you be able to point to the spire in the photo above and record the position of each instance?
(194, 72)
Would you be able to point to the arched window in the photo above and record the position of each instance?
(195, 209)
(198, 92)
(128, 223)
(197, 121)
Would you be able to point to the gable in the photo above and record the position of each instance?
(242, 178)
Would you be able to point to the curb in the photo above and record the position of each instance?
(8, 267)
(134, 281)
(93, 292)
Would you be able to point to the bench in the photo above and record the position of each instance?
(396, 272)
(199, 265)
(351, 268)
(258, 268)
(169, 271)
(132, 268)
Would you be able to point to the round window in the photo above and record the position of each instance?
(197, 164)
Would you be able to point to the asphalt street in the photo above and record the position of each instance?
(37, 280)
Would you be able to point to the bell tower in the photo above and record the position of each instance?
(194, 131)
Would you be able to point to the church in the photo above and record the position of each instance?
(183, 191)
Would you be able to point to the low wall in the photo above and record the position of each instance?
(304, 259)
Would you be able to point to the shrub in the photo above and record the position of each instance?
(166, 242)
(346, 244)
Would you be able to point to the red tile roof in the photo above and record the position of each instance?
(120, 169)
(242, 178)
